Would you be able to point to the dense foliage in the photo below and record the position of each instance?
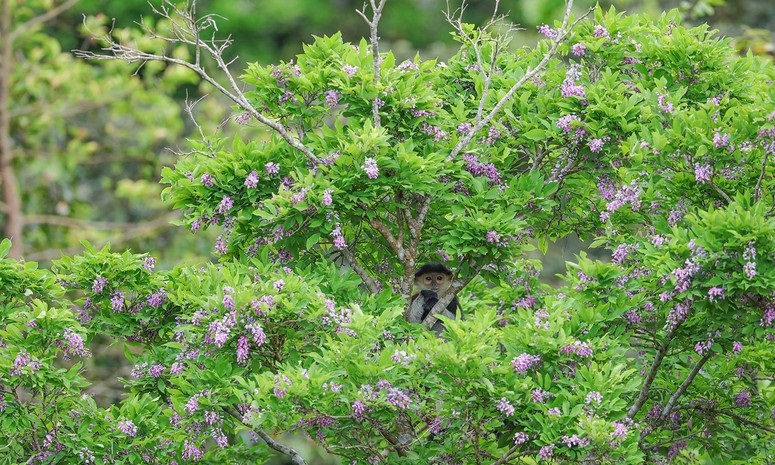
(654, 140)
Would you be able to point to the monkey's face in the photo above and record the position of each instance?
(438, 282)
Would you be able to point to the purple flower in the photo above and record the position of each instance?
(149, 263)
(327, 199)
(128, 428)
(279, 285)
(547, 31)
(251, 181)
(332, 98)
(601, 31)
(524, 362)
(538, 396)
(715, 293)
(737, 347)
(596, 145)
(207, 180)
(397, 397)
(749, 269)
(564, 122)
(117, 301)
(156, 370)
(575, 441)
(350, 70)
(504, 406)
(703, 346)
(720, 140)
(243, 349)
(464, 128)
(259, 337)
(370, 167)
(546, 452)
(743, 399)
(272, 168)
(99, 284)
(191, 452)
(157, 299)
(666, 107)
(358, 409)
(73, 345)
(702, 173)
(520, 438)
(595, 397)
(578, 49)
(493, 237)
(226, 204)
(228, 302)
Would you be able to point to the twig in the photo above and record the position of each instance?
(684, 386)
(652, 374)
(270, 441)
(561, 34)
(371, 285)
(140, 230)
(189, 34)
(376, 10)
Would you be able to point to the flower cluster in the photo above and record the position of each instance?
(523, 362)
(477, 168)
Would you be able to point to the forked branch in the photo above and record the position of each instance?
(187, 29)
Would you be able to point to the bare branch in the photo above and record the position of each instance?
(189, 33)
(395, 244)
(376, 15)
(757, 190)
(270, 441)
(652, 374)
(371, 285)
(684, 386)
(562, 33)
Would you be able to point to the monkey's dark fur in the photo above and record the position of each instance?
(432, 280)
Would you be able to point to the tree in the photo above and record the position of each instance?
(652, 139)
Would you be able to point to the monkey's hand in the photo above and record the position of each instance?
(429, 300)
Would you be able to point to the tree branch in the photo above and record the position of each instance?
(684, 386)
(189, 34)
(643, 395)
(478, 125)
(139, 230)
(270, 441)
(376, 10)
(371, 285)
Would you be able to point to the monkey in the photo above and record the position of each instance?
(431, 281)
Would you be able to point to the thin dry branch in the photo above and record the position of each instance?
(376, 15)
(352, 262)
(562, 33)
(643, 395)
(292, 454)
(186, 29)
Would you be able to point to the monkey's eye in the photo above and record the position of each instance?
(439, 278)
(428, 278)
